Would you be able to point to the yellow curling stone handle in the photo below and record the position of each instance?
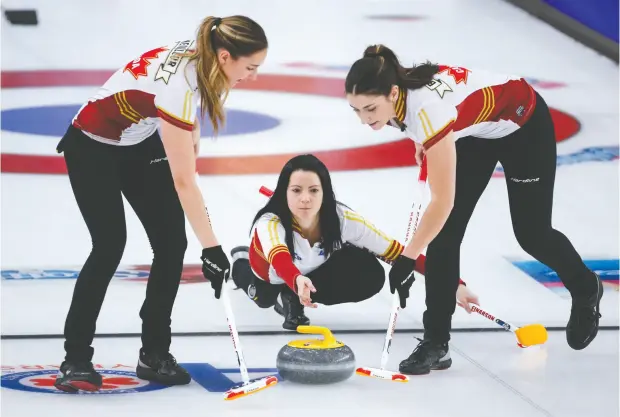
(328, 341)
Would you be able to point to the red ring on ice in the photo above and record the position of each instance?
(398, 153)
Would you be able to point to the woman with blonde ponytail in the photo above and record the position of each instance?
(227, 51)
(113, 148)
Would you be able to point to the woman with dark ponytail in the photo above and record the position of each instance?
(113, 148)
(464, 122)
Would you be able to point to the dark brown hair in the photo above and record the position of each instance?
(379, 69)
(240, 36)
(329, 221)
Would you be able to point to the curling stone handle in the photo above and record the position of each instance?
(328, 337)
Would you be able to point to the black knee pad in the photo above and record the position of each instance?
(242, 274)
(262, 293)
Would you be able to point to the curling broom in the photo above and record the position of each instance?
(382, 372)
(247, 387)
(528, 335)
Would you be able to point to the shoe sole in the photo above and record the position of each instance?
(75, 386)
(66, 388)
(441, 366)
(239, 249)
(290, 327)
(280, 310)
(150, 375)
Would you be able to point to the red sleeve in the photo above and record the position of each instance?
(282, 262)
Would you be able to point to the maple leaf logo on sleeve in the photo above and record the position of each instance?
(458, 73)
(138, 66)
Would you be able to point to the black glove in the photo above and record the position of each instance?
(401, 277)
(215, 267)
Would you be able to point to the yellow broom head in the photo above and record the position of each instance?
(532, 334)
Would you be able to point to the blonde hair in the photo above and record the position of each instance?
(240, 36)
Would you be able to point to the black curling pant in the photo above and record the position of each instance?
(100, 174)
(350, 275)
(528, 157)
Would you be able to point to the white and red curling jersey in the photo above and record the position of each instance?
(468, 102)
(158, 84)
(271, 260)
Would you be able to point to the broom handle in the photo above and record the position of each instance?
(493, 318)
(389, 335)
(232, 327)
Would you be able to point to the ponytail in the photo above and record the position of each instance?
(379, 69)
(212, 83)
(240, 36)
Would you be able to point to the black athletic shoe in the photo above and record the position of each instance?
(162, 368)
(291, 309)
(582, 326)
(75, 376)
(426, 356)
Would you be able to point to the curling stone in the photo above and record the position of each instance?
(315, 361)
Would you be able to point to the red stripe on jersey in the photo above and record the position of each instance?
(393, 251)
(280, 259)
(110, 116)
(141, 102)
(470, 110)
(514, 100)
(438, 136)
(258, 260)
(174, 121)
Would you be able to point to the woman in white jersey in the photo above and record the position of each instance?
(309, 248)
(464, 122)
(113, 149)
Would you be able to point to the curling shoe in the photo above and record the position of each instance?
(291, 309)
(161, 368)
(425, 357)
(582, 326)
(75, 376)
